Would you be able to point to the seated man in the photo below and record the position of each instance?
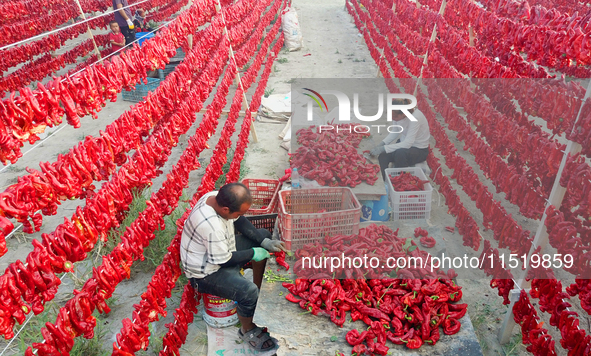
(413, 145)
(212, 256)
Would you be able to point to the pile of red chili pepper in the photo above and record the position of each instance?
(407, 182)
(331, 158)
(404, 310)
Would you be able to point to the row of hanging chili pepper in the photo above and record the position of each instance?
(111, 201)
(150, 297)
(144, 312)
(42, 67)
(176, 336)
(73, 174)
(86, 93)
(520, 190)
(574, 339)
(47, 64)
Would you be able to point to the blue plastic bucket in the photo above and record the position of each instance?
(142, 36)
(375, 210)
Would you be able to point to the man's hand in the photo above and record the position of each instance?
(260, 254)
(273, 245)
(378, 150)
(129, 24)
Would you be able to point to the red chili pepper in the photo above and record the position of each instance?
(280, 259)
(338, 317)
(353, 337)
(428, 242)
(451, 326)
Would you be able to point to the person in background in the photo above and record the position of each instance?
(116, 38)
(139, 20)
(413, 146)
(123, 18)
(212, 256)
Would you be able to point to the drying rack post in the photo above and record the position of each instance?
(89, 32)
(541, 237)
(218, 8)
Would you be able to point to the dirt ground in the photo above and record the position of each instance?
(336, 50)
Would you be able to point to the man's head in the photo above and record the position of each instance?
(398, 115)
(114, 26)
(233, 200)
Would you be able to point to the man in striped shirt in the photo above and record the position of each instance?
(212, 255)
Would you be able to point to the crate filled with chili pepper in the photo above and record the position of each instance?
(410, 193)
(308, 215)
(265, 195)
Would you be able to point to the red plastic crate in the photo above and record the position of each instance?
(264, 195)
(307, 215)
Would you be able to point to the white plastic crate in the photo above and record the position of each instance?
(409, 205)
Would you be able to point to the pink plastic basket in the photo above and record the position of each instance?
(264, 195)
(307, 215)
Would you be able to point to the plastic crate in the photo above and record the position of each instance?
(141, 90)
(265, 221)
(142, 36)
(179, 55)
(264, 194)
(170, 67)
(409, 205)
(307, 215)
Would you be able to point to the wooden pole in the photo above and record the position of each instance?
(90, 35)
(431, 40)
(541, 238)
(218, 8)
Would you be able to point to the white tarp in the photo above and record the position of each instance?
(277, 103)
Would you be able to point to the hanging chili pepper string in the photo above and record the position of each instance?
(108, 149)
(42, 67)
(126, 178)
(13, 56)
(525, 314)
(183, 316)
(519, 239)
(100, 287)
(122, 72)
(166, 11)
(190, 157)
(481, 66)
(75, 24)
(505, 288)
(23, 326)
(234, 171)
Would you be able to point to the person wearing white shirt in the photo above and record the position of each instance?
(212, 255)
(412, 146)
